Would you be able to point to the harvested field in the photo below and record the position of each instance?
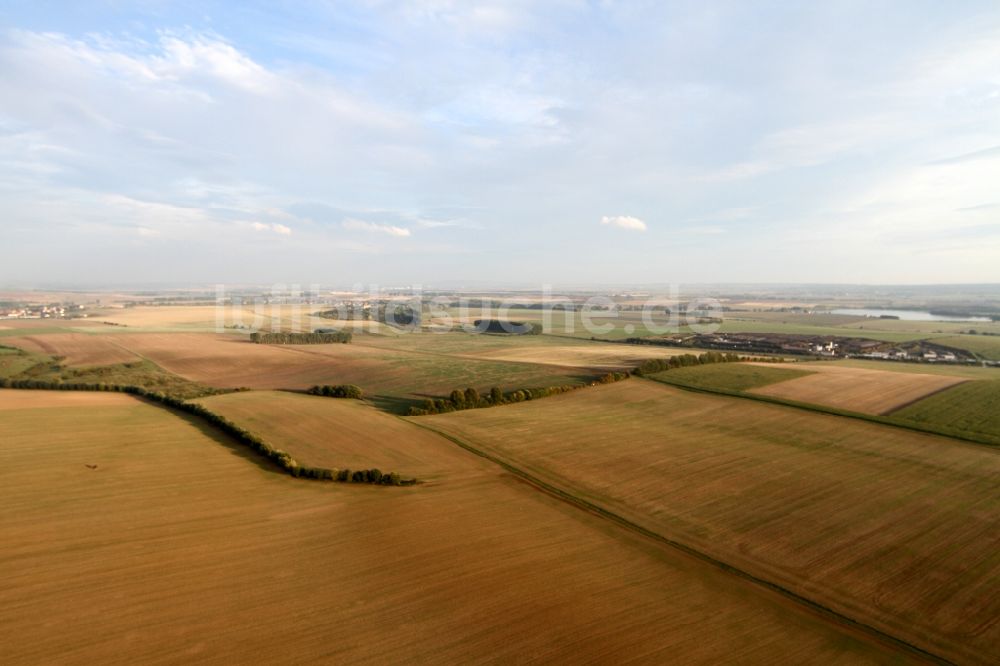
(338, 433)
(229, 361)
(209, 318)
(730, 376)
(13, 400)
(178, 549)
(968, 372)
(77, 348)
(867, 391)
(894, 528)
(599, 357)
(972, 407)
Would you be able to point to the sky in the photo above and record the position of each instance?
(450, 142)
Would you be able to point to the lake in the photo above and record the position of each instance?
(906, 315)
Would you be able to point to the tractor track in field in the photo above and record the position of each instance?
(595, 509)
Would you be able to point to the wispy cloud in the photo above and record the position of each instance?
(624, 222)
(274, 227)
(360, 225)
(984, 154)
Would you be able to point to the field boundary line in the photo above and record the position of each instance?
(910, 403)
(596, 509)
(886, 420)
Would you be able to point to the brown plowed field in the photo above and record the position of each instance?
(894, 528)
(857, 389)
(176, 548)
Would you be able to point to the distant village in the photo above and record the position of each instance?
(916, 351)
(72, 311)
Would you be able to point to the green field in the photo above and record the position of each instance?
(986, 346)
(972, 406)
(729, 376)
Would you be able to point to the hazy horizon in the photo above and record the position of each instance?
(503, 143)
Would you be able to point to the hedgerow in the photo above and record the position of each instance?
(471, 399)
(653, 365)
(278, 338)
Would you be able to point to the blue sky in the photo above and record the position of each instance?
(528, 142)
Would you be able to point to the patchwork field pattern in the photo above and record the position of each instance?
(175, 547)
(231, 361)
(895, 528)
(859, 390)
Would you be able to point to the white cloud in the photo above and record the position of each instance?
(624, 222)
(361, 225)
(279, 229)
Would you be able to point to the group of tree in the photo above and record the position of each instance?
(400, 315)
(337, 391)
(281, 458)
(508, 327)
(654, 365)
(284, 338)
(470, 398)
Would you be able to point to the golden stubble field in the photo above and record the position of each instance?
(177, 548)
(595, 356)
(857, 389)
(339, 433)
(896, 529)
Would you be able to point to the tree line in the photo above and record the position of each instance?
(653, 365)
(281, 458)
(283, 338)
(337, 391)
(508, 327)
(470, 398)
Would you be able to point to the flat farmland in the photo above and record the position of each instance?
(338, 433)
(896, 529)
(972, 407)
(176, 548)
(863, 331)
(815, 319)
(77, 348)
(596, 356)
(857, 389)
(230, 360)
(968, 372)
(731, 376)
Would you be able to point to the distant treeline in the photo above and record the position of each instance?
(509, 327)
(654, 365)
(470, 398)
(264, 338)
(337, 391)
(279, 457)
